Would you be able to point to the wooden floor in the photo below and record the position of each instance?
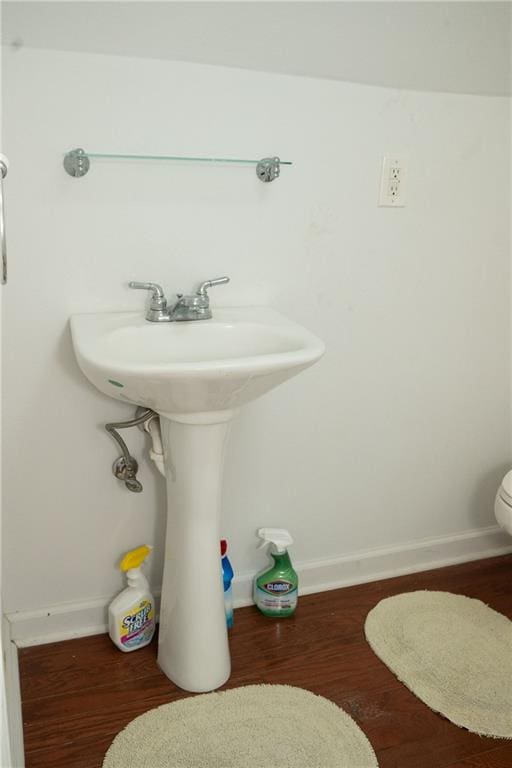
(77, 695)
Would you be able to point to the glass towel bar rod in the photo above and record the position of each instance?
(76, 162)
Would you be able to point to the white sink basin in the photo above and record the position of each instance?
(192, 367)
(195, 375)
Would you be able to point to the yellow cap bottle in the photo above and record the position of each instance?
(131, 615)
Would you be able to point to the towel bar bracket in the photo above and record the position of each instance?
(76, 163)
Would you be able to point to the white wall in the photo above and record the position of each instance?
(462, 47)
(400, 433)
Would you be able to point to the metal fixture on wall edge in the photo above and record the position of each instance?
(77, 162)
(4, 165)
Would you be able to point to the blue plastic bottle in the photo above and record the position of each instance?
(227, 577)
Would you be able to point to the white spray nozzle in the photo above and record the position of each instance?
(279, 537)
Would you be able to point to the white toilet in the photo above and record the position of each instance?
(503, 503)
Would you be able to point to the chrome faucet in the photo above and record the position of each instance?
(195, 306)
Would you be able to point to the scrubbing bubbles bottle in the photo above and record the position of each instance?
(131, 615)
(275, 588)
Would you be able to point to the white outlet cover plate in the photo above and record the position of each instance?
(393, 182)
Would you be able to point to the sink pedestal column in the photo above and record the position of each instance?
(193, 648)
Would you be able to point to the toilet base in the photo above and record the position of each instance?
(503, 513)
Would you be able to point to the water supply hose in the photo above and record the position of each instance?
(125, 467)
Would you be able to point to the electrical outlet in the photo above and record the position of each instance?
(392, 183)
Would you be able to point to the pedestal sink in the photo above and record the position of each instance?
(196, 376)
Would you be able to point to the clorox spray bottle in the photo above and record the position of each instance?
(131, 615)
(275, 588)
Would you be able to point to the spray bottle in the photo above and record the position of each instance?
(227, 578)
(275, 588)
(131, 615)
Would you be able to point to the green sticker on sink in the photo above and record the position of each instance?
(115, 383)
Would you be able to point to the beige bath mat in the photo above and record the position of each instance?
(258, 726)
(453, 652)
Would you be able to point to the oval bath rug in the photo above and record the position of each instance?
(453, 652)
(257, 726)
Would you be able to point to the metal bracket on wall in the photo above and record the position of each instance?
(268, 169)
(77, 162)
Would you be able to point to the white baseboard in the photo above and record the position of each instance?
(58, 622)
(387, 562)
(13, 698)
(70, 620)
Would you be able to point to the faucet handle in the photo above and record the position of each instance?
(156, 290)
(203, 288)
(157, 310)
